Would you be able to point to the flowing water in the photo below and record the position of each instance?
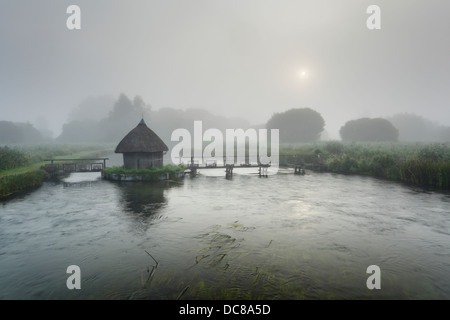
(279, 237)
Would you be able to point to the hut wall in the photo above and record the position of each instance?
(146, 160)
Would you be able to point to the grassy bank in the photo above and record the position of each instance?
(425, 165)
(21, 167)
(13, 183)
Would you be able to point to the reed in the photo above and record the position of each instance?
(11, 184)
(425, 165)
(12, 158)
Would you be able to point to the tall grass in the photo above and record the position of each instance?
(426, 165)
(13, 158)
(11, 184)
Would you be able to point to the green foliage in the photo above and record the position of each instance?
(334, 147)
(12, 158)
(19, 182)
(146, 174)
(426, 165)
(381, 163)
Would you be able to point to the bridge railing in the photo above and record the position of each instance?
(75, 165)
(218, 162)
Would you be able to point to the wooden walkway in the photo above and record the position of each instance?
(194, 167)
(298, 164)
(58, 166)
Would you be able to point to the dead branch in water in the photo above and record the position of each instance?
(152, 258)
(182, 292)
(151, 273)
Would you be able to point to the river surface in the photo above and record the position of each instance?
(279, 237)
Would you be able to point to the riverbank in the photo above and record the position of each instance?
(23, 181)
(22, 168)
(417, 164)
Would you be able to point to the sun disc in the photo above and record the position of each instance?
(303, 74)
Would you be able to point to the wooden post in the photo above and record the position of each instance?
(229, 169)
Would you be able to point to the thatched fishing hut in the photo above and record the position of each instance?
(142, 148)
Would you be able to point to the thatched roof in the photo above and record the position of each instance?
(141, 139)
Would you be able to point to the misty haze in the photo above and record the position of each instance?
(357, 173)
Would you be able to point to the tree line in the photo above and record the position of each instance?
(105, 120)
(19, 133)
(307, 125)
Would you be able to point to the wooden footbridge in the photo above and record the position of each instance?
(62, 166)
(298, 164)
(193, 167)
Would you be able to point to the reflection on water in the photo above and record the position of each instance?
(81, 177)
(142, 198)
(143, 202)
(281, 237)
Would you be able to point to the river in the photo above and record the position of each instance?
(279, 237)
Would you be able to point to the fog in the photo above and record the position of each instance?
(240, 58)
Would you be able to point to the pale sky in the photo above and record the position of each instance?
(247, 58)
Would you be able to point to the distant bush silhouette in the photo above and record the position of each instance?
(366, 129)
(415, 128)
(77, 131)
(19, 133)
(297, 125)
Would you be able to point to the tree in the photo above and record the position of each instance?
(366, 129)
(76, 131)
(92, 108)
(20, 133)
(10, 133)
(297, 125)
(124, 116)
